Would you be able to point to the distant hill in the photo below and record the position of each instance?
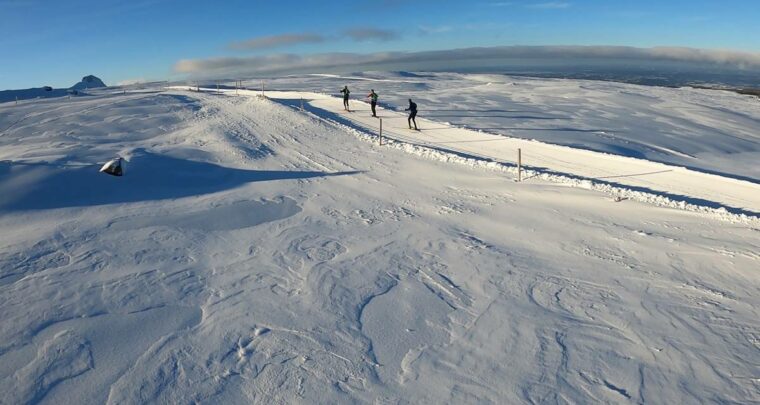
(26, 94)
(88, 82)
(750, 91)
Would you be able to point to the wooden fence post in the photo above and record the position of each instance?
(519, 164)
(381, 132)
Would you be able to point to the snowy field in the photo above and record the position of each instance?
(257, 253)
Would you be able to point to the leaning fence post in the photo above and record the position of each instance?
(519, 164)
(381, 132)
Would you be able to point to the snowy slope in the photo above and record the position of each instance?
(624, 176)
(255, 253)
(707, 130)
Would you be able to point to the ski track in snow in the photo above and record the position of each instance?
(731, 199)
(273, 257)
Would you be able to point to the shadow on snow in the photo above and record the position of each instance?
(149, 177)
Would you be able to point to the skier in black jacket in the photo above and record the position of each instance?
(345, 97)
(412, 114)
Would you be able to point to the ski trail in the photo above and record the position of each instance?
(692, 187)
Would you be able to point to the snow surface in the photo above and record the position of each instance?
(707, 130)
(624, 177)
(257, 253)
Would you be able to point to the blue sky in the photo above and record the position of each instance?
(51, 42)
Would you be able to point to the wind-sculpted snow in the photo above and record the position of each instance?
(237, 215)
(63, 357)
(253, 253)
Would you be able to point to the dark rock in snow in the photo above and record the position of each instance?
(89, 82)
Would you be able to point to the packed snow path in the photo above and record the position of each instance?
(678, 182)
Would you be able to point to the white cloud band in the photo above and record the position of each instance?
(285, 63)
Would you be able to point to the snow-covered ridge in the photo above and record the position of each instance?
(621, 177)
(87, 82)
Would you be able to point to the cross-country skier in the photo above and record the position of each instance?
(412, 114)
(372, 101)
(345, 97)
